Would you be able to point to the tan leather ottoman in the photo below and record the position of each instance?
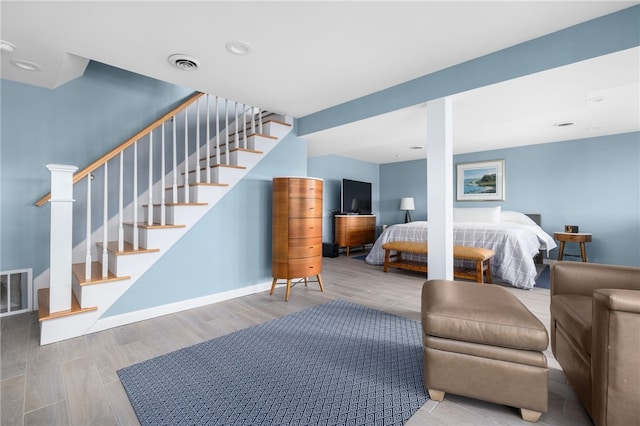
(483, 343)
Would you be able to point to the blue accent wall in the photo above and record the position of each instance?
(334, 168)
(229, 248)
(593, 183)
(398, 180)
(74, 124)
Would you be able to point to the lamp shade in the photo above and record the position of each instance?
(407, 203)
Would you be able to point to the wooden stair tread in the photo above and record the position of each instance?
(43, 307)
(177, 204)
(251, 151)
(199, 184)
(217, 165)
(255, 133)
(112, 246)
(154, 225)
(96, 274)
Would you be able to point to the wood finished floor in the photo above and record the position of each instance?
(75, 382)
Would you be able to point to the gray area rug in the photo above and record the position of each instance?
(335, 364)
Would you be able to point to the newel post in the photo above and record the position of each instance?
(61, 236)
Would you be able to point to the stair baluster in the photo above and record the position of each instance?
(244, 126)
(150, 187)
(226, 131)
(136, 242)
(105, 221)
(198, 147)
(237, 128)
(174, 191)
(120, 203)
(217, 153)
(163, 206)
(208, 140)
(253, 121)
(87, 262)
(186, 156)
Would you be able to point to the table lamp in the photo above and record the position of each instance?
(407, 204)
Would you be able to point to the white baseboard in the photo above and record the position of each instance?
(144, 314)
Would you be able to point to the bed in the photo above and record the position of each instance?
(514, 237)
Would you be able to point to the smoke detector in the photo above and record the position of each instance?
(184, 62)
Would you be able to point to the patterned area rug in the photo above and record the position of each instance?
(334, 364)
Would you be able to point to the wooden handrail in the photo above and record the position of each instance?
(126, 144)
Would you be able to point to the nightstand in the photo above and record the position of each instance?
(569, 237)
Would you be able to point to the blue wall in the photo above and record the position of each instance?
(73, 124)
(333, 169)
(593, 183)
(229, 248)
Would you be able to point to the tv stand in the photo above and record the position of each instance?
(354, 230)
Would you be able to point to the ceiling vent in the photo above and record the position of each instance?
(184, 62)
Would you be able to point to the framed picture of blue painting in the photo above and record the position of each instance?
(481, 181)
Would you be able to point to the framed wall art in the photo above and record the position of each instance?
(480, 181)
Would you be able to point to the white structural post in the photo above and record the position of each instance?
(440, 189)
(61, 236)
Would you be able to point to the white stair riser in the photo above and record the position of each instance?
(104, 294)
(176, 215)
(68, 327)
(220, 175)
(131, 264)
(200, 194)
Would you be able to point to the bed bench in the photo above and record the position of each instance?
(481, 257)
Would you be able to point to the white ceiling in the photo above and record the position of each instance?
(307, 56)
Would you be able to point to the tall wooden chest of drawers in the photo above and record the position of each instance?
(297, 230)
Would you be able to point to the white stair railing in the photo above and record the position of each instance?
(213, 148)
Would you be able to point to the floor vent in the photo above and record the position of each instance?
(15, 292)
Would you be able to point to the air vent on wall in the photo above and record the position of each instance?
(184, 62)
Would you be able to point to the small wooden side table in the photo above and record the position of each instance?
(568, 237)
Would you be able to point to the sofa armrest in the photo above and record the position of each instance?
(615, 357)
(583, 278)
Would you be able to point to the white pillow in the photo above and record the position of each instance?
(516, 217)
(478, 214)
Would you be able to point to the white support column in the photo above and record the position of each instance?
(440, 188)
(61, 237)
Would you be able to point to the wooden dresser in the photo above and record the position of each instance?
(297, 230)
(355, 230)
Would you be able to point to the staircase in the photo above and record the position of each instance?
(130, 238)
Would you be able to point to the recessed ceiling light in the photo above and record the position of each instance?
(6, 47)
(416, 147)
(184, 62)
(239, 48)
(25, 65)
(564, 124)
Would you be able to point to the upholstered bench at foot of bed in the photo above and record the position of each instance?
(480, 256)
(482, 342)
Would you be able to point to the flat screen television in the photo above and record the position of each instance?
(356, 197)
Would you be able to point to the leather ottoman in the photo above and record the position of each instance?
(482, 342)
